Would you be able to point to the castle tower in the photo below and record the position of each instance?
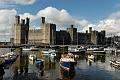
(27, 21)
(27, 30)
(73, 34)
(49, 32)
(94, 37)
(22, 21)
(90, 29)
(17, 30)
(43, 20)
(21, 31)
(17, 18)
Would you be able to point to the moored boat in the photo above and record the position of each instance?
(46, 51)
(67, 61)
(96, 50)
(91, 49)
(52, 54)
(77, 50)
(9, 58)
(115, 63)
(91, 56)
(39, 61)
(32, 48)
(32, 57)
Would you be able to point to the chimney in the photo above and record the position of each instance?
(43, 20)
(17, 18)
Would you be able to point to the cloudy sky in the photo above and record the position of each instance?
(99, 14)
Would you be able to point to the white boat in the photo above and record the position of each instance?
(109, 49)
(90, 56)
(9, 58)
(76, 50)
(26, 49)
(32, 57)
(52, 51)
(73, 49)
(96, 50)
(52, 55)
(32, 48)
(92, 49)
(118, 50)
(46, 51)
(8, 54)
(115, 63)
(99, 51)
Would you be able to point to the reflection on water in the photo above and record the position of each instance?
(86, 69)
(67, 75)
(97, 58)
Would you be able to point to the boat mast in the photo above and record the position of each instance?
(63, 44)
(34, 37)
(77, 39)
(114, 47)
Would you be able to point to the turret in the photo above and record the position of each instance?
(90, 29)
(86, 31)
(27, 21)
(72, 26)
(17, 18)
(43, 20)
(22, 21)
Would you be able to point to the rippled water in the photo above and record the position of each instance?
(99, 69)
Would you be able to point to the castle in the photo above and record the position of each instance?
(47, 34)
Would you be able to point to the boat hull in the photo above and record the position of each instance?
(67, 65)
(39, 63)
(9, 61)
(67, 75)
(115, 64)
(30, 49)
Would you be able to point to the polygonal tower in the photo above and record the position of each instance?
(21, 31)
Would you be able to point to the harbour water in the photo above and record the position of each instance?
(97, 69)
